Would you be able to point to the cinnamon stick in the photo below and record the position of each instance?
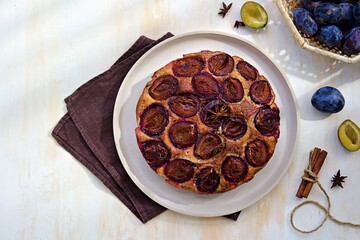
(312, 160)
(318, 164)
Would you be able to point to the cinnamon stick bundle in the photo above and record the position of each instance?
(316, 160)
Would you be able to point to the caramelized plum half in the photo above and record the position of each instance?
(214, 113)
(267, 121)
(205, 85)
(207, 180)
(221, 64)
(183, 134)
(260, 92)
(232, 90)
(234, 127)
(248, 71)
(164, 87)
(154, 119)
(156, 153)
(256, 153)
(180, 170)
(207, 146)
(184, 105)
(188, 66)
(234, 169)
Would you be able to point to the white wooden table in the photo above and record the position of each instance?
(49, 48)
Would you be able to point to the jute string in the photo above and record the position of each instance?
(314, 179)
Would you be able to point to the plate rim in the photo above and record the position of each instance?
(117, 132)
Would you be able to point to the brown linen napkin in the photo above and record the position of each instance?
(86, 132)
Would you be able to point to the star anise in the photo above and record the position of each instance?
(239, 24)
(218, 148)
(218, 113)
(225, 9)
(338, 179)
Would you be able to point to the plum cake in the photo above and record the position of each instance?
(207, 122)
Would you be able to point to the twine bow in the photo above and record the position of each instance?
(314, 179)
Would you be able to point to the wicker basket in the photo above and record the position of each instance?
(286, 8)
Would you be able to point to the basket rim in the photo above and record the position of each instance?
(304, 44)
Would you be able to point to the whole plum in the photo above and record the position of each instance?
(330, 35)
(309, 4)
(346, 11)
(356, 12)
(304, 22)
(347, 18)
(351, 42)
(327, 13)
(328, 99)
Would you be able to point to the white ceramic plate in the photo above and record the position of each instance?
(154, 186)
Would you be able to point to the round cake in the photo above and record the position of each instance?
(207, 122)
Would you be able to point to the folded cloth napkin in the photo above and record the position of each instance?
(86, 131)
